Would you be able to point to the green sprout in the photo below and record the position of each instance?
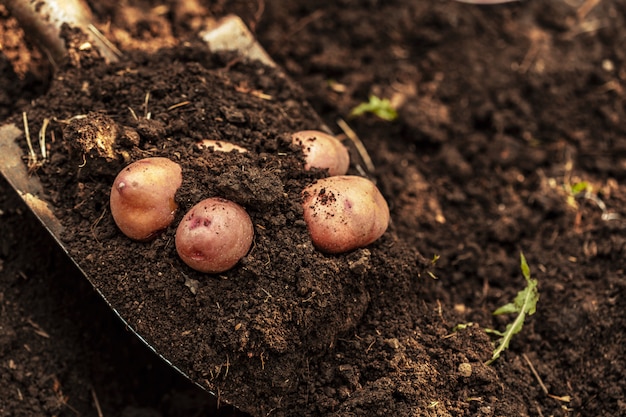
(525, 303)
(575, 190)
(579, 187)
(462, 326)
(380, 107)
(433, 263)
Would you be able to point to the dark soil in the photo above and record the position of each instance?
(504, 111)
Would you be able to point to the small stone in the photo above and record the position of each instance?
(393, 343)
(193, 285)
(465, 369)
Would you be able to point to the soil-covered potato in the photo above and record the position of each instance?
(214, 235)
(142, 197)
(322, 151)
(344, 213)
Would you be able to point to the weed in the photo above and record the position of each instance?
(525, 303)
(380, 107)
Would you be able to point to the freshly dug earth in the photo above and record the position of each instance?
(257, 324)
(504, 112)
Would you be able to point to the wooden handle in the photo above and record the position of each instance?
(42, 21)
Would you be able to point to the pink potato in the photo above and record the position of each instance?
(214, 235)
(343, 213)
(142, 197)
(322, 151)
(220, 146)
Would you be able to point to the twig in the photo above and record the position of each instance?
(369, 165)
(96, 402)
(227, 367)
(257, 15)
(177, 105)
(32, 156)
(38, 330)
(563, 398)
(132, 112)
(268, 295)
(99, 36)
(63, 399)
(606, 215)
(302, 23)
(42, 138)
(585, 8)
(532, 368)
(95, 225)
(146, 113)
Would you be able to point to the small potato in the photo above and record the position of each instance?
(344, 213)
(142, 197)
(214, 235)
(220, 146)
(322, 151)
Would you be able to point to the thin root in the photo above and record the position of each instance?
(42, 138)
(360, 147)
(537, 377)
(33, 163)
(96, 402)
(146, 100)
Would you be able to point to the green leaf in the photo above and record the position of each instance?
(509, 308)
(579, 187)
(380, 107)
(524, 267)
(462, 326)
(496, 332)
(525, 303)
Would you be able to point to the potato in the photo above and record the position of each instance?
(322, 151)
(343, 213)
(220, 146)
(214, 235)
(142, 197)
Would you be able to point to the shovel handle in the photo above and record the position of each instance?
(42, 21)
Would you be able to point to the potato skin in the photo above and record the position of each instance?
(343, 213)
(214, 235)
(142, 198)
(220, 146)
(322, 151)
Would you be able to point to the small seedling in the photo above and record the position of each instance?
(579, 187)
(525, 303)
(584, 190)
(433, 262)
(575, 190)
(380, 107)
(462, 326)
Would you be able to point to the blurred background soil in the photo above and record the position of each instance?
(510, 137)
